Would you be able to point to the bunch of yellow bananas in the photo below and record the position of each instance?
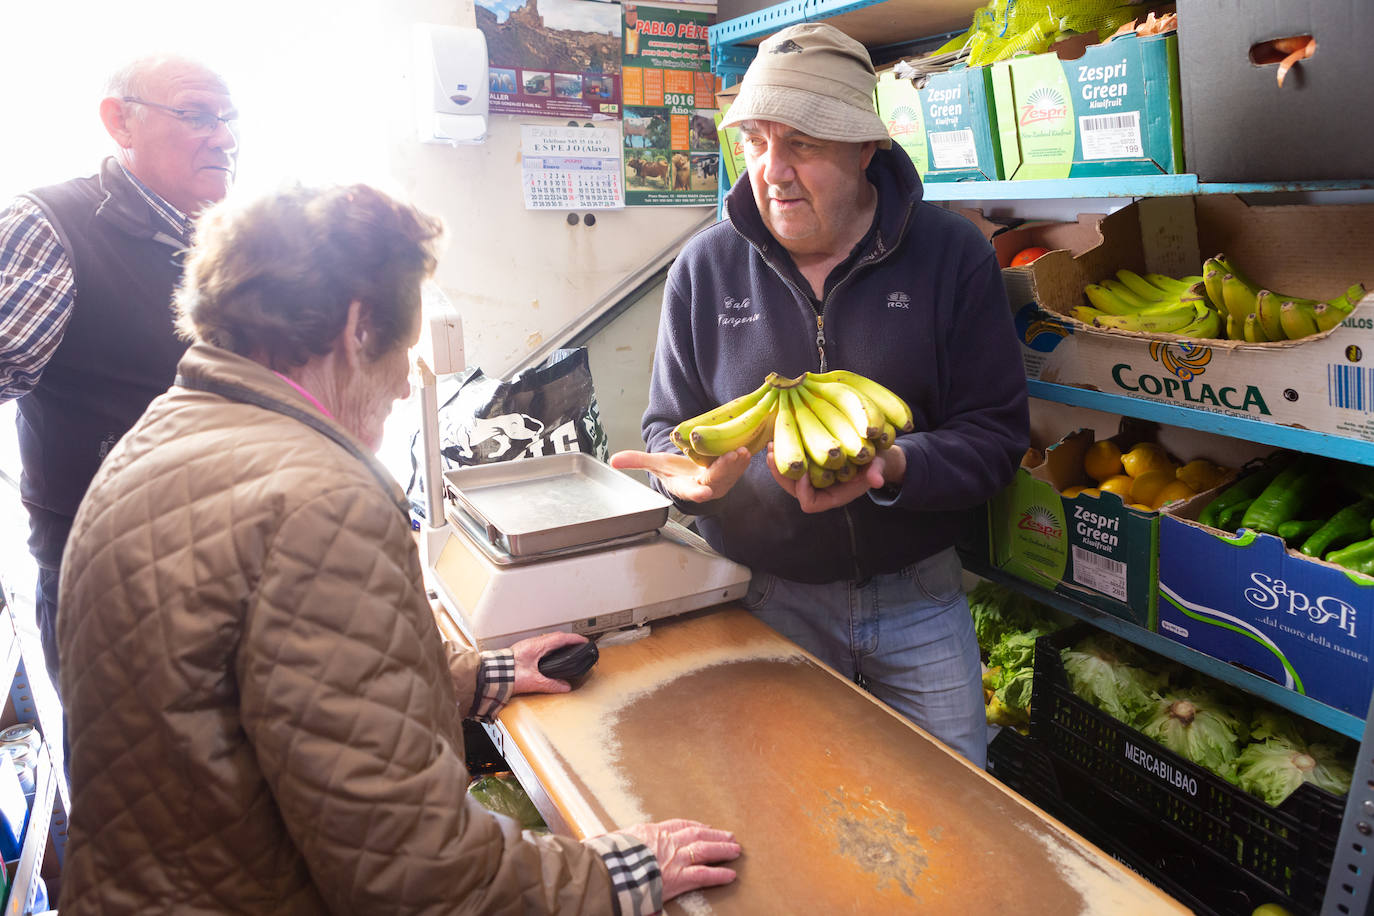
(825, 425)
(1220, 303)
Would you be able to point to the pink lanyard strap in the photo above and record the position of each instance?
(305, 394)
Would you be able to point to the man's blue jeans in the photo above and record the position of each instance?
(906, 637)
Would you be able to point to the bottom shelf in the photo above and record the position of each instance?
(1308, 708)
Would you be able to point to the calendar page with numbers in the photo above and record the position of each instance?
(571, 168)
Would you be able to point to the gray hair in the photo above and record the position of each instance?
(137, 78)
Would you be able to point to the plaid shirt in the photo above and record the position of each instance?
(636, 882)
(38, 289)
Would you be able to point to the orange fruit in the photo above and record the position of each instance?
(1120, 485)
(1176, 490)
(1147, 487)
(1102, 460)
(1026, 255)
(1147, 456)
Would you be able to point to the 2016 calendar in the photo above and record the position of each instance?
(571, 168)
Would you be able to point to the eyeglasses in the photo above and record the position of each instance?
(201, 123)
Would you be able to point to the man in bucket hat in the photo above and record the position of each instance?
(830, 259)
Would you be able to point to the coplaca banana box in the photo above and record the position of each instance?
(1094, 549)
(1323, 383)
(946, 126)
(1248, 601)
(1116, 110)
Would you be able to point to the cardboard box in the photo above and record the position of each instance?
(1322, 383)
(1247, 600)
(1318, 122)
(1093, 549)
(1115, 110)
(1011, 236)
(946, 126)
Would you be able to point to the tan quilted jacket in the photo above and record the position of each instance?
(263, 718)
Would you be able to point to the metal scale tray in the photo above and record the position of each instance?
(553, 504)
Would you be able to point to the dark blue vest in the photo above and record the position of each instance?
(118, 350)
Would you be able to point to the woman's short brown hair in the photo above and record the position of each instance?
(272, 277)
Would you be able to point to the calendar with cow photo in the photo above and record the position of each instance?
(668, 92)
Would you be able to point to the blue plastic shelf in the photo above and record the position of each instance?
(1121, 186)
(1314, 710)
(1291, 437)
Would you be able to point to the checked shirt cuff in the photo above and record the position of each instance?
(495, 683)
(636, 884)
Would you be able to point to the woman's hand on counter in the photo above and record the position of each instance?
(685, 851)
(527, 654)
(684, 479)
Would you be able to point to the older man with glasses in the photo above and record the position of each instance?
(87, 271)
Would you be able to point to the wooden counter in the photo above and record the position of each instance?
(840, 805)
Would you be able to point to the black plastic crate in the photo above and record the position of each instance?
(1020, 763)
(1112, 774)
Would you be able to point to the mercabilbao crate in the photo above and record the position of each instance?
(1323, 383)
(1280, 854)
(1022, 765)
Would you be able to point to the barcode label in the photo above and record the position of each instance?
(1111, 136)
(1101, 573)
(953, 149)
(1350, 387)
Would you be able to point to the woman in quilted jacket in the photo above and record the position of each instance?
(263, 715)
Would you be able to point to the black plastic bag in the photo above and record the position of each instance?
(547, 409)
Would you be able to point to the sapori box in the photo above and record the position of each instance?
(946, 126)
(1116, 110)
(1323, 383)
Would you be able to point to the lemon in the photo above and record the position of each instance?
(1201, 474)
(1090, 491)
(1141, 508)
(1071, 492)
(1147, 456)
(1146, 488)
(1120, 485)
(1176, 490)
(1102, 460)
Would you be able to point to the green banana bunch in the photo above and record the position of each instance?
(824, 426)
(1153, 304)
(1274, 320)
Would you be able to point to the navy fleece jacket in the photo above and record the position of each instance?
(922, 311)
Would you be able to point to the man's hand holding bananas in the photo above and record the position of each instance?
(826, 435)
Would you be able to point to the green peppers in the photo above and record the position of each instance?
(1246, 488)
(1295, 531)
(1358, 556)
(1284, 497)
(1229, 519)
(1349, 524)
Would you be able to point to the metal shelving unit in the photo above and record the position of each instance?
(882, 23)
(47, 821)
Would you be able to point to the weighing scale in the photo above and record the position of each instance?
(557, 543)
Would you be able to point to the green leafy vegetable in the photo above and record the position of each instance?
(1197, 724)
(501, 793)
(1108, 673)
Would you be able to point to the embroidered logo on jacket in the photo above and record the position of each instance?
(898, 300)
(731, 304)
(788, 47)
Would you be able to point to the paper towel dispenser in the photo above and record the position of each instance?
(451, 75)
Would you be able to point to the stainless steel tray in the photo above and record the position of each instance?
(538, 505)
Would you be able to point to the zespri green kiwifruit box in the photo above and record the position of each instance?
(946, 126)
(1094, 549)
(1116, 110)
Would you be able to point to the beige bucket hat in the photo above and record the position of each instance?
(815, 78)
